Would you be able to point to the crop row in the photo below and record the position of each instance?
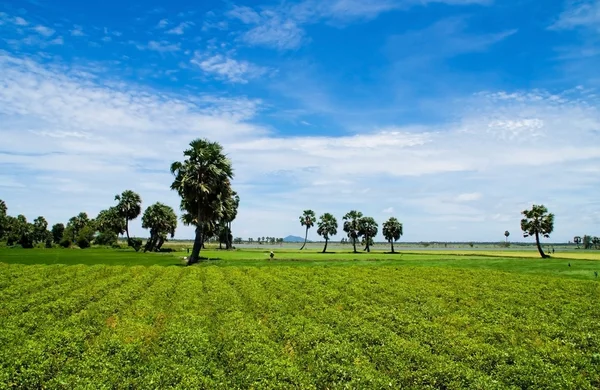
(282, 327)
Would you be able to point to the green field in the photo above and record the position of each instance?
(425, 319)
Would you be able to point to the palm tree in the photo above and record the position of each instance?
(327, 227)
(506, 234)
(537, 222)
(351, 225)
(368, 229)
(110, 220)
(162, 221)
(577, 241)
(392, 231)
(307, 219)
(130, 207)
(203, 181)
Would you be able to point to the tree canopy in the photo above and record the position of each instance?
(352, 226)
(367, 228)
(203, 181)
(327, 227)
(162, 222)
(392, 231)
(307, 219)
(537, 222)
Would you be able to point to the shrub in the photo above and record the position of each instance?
(65, 243)
(106, 238)
(83, 242)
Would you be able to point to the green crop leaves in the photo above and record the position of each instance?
(295, 327)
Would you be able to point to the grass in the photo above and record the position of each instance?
(583, 265)
(382, 321)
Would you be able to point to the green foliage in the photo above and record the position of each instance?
(65, 242)
(203, 181)
(537, 222)
(129, 207)
(392, 231)
(3, 220)
(295, 327)
(352, 226)
(111, 221)
(106, 238)
(85, 236)
(58, 230)
(162, 221)
(327, 227)
(367, 228)
(75, 225)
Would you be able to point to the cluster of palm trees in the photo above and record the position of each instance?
(356, 226)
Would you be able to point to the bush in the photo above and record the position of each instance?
(83, 242)
(106, 238)
(136, 243)
(65, 243)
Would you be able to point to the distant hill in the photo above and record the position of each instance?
(293, 239)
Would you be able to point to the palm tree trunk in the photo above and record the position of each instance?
(127, 231)
(354, 244)
(539, 247)
(368, 246)
(392, 242)
(325, 249)
(305, 238)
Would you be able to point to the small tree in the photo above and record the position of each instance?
(129, 207)
(162, 222)
(392, 231)
(537, 222)
(577, 241)
(587, 242)
(352, 225)
(307, 219)
(368, 230)
(58, 231)
(327, 227)
(506, 234)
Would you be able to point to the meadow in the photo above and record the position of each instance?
(486, 318)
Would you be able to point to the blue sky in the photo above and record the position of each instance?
(452, 115)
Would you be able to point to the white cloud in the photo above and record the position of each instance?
(66, 130)
(77, 31)
(19, 21)
(280, 27)
(584, 13)
(159, 46)
(180, 28)
(227, 68)
(162, 23)
(43, 30)
(468, 197)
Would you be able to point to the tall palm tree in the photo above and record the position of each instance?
(130, 207)
(537, 222)
(392, 231)
(307, 219)
(327, 227)
(368, 229)
(203, 181)
(351, 225)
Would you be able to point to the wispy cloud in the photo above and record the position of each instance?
(180, 28)
(162, 23)
(77, 31)
(281, 26)
(19, 21)
(227, 68)
(43, 30)
(159, 46)
(584, 13)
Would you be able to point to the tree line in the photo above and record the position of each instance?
(356, 226)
